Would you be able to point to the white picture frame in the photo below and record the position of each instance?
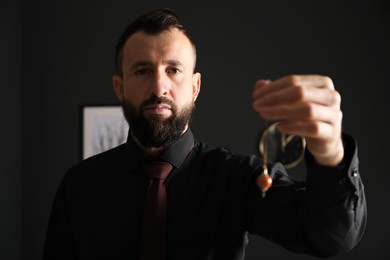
(104, 127)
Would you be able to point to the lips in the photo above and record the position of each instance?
(157, 108)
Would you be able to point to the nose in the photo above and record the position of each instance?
(160, 85)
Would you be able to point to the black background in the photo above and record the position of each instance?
(56, 56)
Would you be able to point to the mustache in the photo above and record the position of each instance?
(155, 100)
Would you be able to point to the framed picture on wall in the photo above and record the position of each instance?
(103, 127)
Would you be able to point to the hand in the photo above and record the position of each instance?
(305, 105)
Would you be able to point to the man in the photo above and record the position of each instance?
(213, 199)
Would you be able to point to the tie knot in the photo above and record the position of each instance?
(157, 170)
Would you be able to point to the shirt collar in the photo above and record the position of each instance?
(174, 154)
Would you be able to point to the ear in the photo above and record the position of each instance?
(118, 86)
(196, 84)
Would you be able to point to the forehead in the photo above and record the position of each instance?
(167, 45)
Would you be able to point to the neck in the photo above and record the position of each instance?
(151, 151)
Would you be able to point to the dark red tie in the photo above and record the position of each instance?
(153, 243)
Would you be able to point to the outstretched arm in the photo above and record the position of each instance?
(326, 214)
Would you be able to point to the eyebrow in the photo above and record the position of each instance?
(148, 63)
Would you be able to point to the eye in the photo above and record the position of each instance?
(173, 71)
(142, 72)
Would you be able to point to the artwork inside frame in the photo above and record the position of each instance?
(104, 127)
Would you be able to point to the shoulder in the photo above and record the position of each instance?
(99, 163)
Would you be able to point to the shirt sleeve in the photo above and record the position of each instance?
(322, 216)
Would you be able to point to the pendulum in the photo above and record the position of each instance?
(275, 146)
(264, 180)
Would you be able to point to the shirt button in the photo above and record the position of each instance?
(355, 173)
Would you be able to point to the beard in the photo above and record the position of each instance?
(155, 130)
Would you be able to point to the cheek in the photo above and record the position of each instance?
(183, 97)
(134, 93)
(185, 90)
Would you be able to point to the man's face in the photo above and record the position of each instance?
(158, 88)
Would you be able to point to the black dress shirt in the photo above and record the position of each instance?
(213, 204)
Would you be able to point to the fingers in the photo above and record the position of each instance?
(326, 129)
(297, 80)
(298, 94)
(307, 89)
(304, 105)
(307, 105)
(300, 112)
(304, 81)
(297, 87)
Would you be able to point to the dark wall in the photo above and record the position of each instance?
(10, 129)
(67, 61)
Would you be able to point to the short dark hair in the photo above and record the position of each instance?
(153, 22)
